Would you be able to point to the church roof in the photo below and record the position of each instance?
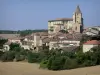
(92, 42)
(78, 9)
(62, 19)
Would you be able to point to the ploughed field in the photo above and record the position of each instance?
(24, 68)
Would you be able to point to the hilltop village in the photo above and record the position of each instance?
(66, 45)
(63, 33)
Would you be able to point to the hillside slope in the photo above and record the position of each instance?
(22, 68)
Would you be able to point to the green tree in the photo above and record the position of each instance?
(70, 64)
(1, 53)
(44, 64)
(96, 54)
(56, 62)
(2, 42)
(32, 57)
(19, 57)
(14, 46)
(8, 56)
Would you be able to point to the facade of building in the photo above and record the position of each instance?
(34, 41)
(74, 24)
(28, 42)
(90, 44)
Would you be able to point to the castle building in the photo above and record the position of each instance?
(74, 24)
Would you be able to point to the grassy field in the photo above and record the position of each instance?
(23, 68)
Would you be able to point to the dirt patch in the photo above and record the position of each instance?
(23, 68)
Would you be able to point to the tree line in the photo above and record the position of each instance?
(21, 32)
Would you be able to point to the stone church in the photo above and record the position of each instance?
(74, 24)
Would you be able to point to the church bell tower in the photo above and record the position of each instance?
(77, 20)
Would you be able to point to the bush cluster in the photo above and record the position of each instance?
(70, 60)
(15, 52)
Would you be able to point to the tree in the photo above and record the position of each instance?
(2, 42)
(32, 57)
(70, 64)
(1, 53)
(19, 57)
(56, 62)
(68, 54)
(96, 54)
(28, 32)
(14, 46)
(44, 64)
(80, 57)
(8, 56)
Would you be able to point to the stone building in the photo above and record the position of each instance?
(74, 24)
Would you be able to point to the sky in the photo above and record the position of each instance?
(34, 14)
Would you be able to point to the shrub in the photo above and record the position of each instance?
(8, 56)
(80, 57)
(41, 56)
(55, 63)
(44, 64)
(19, 57)
(1, 53)
(14, 47)
(70, 64)
(2, 42)
(32, 57)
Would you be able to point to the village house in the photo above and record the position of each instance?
(90, 44)
(28, 42)
(34, 41)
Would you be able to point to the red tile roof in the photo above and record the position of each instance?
(92, 42)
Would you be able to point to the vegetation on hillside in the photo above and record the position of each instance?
(69, 60)
(2, 42)
(21, 32)
(54, 59)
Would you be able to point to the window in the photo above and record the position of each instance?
(51, 28)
